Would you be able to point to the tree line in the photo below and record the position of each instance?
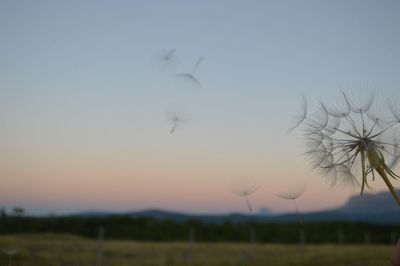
(152, 229)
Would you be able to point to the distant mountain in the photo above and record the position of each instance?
(264, 211)
(93, 213)
(373, 208)
(161, 215)
(376, 203)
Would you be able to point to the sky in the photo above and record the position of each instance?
(86, 99)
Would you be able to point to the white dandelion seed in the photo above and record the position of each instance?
(189, 78)
(246, 186)
(176, 118)
(167, 58)
(292, 194)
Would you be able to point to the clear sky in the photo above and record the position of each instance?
(85, 99)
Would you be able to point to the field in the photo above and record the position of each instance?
(65, 250)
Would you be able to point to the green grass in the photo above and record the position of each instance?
(63, 250)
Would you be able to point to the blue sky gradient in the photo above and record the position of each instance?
(84, 99)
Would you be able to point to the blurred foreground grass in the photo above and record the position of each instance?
(63, 250)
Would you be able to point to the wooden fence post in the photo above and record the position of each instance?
(340, 235)
(367, 237)
(302, 236)
(253, 238)
(99, 249)
(392, 238)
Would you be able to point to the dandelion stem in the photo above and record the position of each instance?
(299, 218)
(248, 204)
(389, 185)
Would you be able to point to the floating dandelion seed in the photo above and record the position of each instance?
(197, 63)
(352, 142)
(293, 194)
(189, 78)
(246, 187)
(170, 55)
(176, 119)
(167, 58)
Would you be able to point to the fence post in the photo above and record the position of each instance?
(302, 236)
(99, 251)
(253, 238)
(192, 235)
(392, 238)
(340, 236)
(367, 237)
(192, 239)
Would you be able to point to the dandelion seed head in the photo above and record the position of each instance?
(352, 142)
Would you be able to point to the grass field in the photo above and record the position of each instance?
(63, 250)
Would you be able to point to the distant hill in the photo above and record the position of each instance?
(377, 203)
(377, 208)
(264, 211)
(373, 208)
